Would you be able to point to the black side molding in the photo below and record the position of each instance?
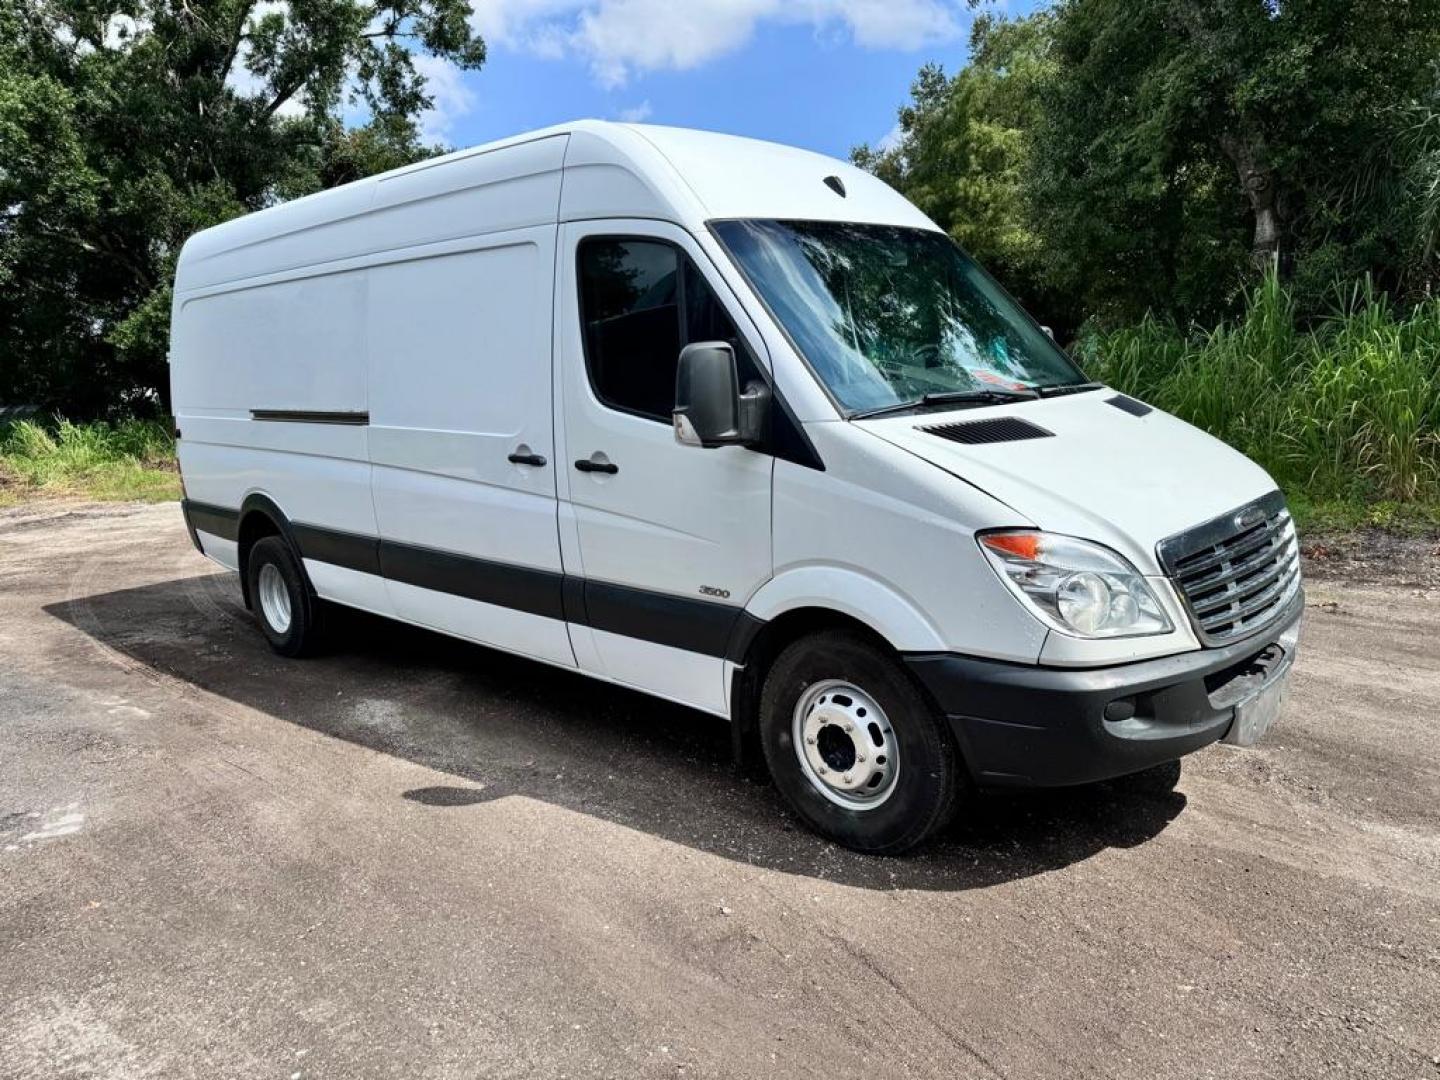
(342, 549)
(700, 626)
(520, 588)
(695, 625)
(310, 416)
(215, 520)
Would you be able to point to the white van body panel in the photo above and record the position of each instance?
(891, 539)
(1125, 481)
(353, 588)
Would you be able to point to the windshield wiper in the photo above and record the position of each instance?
(1067, 388)
(988, 396)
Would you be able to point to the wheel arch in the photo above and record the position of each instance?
(805, 601)
(261, 516)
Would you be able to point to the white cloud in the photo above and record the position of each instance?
(122, 30)
(891, 139)
(619, 38)
(453, 99)
(243, 81)
(636, 114)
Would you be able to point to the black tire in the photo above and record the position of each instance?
(301, 636)
(930, 775)
(1159, 779)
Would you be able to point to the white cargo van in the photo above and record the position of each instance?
(736, 425)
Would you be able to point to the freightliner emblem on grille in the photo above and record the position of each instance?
(1251, 515)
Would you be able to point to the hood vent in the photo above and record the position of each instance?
(1000, 429)
(1129, 404)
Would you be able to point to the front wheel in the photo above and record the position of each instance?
(854, 747)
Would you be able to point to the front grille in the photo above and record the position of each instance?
(1237, 572)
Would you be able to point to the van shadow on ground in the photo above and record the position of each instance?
(503, 726)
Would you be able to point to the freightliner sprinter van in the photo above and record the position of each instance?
(736, 425)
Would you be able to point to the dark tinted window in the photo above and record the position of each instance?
(641, 301)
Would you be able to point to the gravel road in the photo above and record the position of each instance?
(414, 858)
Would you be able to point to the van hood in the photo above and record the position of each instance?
(1101, 473)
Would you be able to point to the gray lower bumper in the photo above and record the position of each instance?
(1034, 726)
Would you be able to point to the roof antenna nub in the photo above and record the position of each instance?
(835, 184)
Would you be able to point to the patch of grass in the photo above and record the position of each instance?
(134, 459)
(1343, 414)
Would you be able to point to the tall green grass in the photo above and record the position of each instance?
(1343, 413)
(133, 459)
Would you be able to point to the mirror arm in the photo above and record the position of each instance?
(754, 414)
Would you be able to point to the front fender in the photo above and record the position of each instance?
(861, 597)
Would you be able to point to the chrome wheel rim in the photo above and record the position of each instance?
(274, 598)
(845, 745)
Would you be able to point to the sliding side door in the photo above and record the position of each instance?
(462, 442)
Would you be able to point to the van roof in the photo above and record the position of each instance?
(611, 170)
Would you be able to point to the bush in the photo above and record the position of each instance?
(132, 459)
(1345, 410)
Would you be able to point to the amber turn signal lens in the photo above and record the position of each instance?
(1024, 545)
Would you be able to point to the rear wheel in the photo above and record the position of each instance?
(854, 747)
(288, 615)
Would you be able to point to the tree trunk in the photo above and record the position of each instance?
(1257, 179)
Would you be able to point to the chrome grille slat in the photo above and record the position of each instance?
(1258, 558)
(1241, 589)
(1255, 603)
(1236, 572)
(1259, 619)
(1250, 540)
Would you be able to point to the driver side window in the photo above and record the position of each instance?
(641, 302)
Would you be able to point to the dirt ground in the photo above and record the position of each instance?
(415, 858)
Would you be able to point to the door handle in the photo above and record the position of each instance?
(591, 465)
(527, 459)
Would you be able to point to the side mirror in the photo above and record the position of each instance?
(710, 410)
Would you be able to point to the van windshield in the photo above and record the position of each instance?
(887, 316)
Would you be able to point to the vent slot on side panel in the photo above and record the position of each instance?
(1129, 404)
(998, 430)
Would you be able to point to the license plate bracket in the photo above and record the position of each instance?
(1255, 713)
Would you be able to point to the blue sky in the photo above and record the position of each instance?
(822, 74)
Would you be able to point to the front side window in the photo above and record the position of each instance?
(641, 302)
(886, 315)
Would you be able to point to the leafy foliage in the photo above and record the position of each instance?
(125, 128)
(964, 150)
(1116, 157)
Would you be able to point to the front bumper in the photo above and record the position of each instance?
(1020, 725)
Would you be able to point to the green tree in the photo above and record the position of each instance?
(1185, 145)
(963, 154)
(126, 127)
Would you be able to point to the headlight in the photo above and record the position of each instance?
(1077, 587)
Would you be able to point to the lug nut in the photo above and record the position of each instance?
(847, 778)
(822, 770)
(810, 739)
